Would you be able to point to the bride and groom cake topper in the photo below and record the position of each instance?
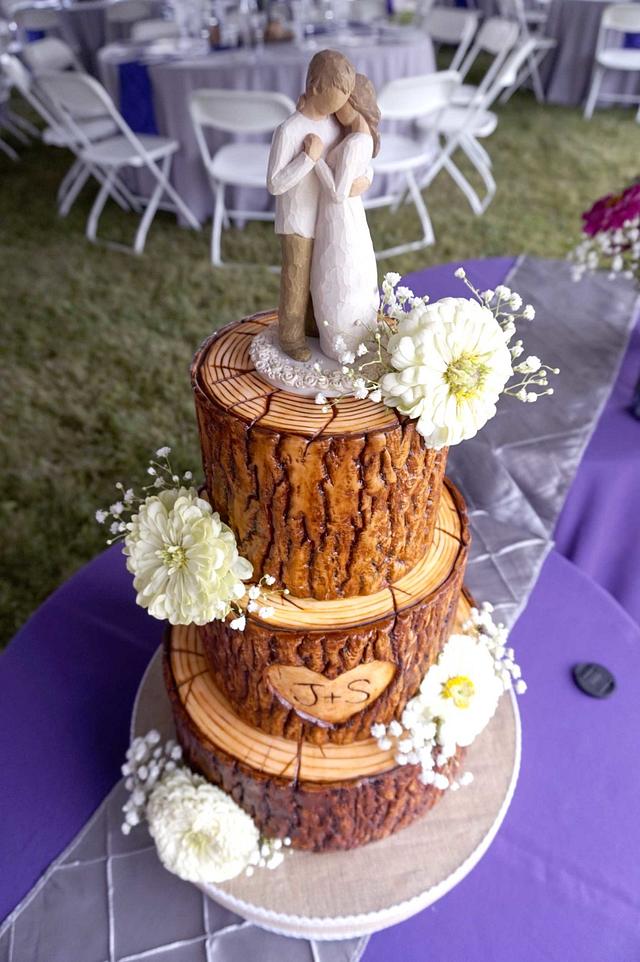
(319, 167)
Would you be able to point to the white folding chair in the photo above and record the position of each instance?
(464, 126)
(454, 27)
(235, 164)
(404, 158)
(146, 30)
(50, 53)
(56, 133)
(496, 38)
(532, 13)
(620, 18)
(80, 98)
(4, 123)
(532, 21)
(128, 11)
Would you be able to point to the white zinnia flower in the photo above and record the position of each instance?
(201, 834)
(184, 560)
(450, 369)
(461, 690)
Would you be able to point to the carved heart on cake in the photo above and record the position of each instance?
(329, 701)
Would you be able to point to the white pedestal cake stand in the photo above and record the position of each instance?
(340, 895)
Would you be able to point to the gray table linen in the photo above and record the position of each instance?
(107, 898)
(568, 69)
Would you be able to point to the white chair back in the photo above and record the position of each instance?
(452, 26)
(49, 54)
(496, 34)
(79, 97)
(496, 37)
(367, 10)
(146, 30)
(18, 77)
(623, 17)
(128, 11)
(239, 111)
(15, 73)
(512, 10)
(37, 19)
(411, 97)
(508, 74)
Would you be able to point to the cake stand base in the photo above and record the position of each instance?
(341, 895)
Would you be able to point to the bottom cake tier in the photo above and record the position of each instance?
(323, 797)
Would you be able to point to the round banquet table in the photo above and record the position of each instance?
(567, 70)
(561, 880)
(85, 26)
(280, 68)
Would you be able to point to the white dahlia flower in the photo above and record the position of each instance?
(461, 690)
(451, 363)
(200, 833)
(184, 560)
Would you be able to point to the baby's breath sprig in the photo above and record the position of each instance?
(161, 475)
(258, 602)
(146, 762)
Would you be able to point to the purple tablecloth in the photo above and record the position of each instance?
(562, 880)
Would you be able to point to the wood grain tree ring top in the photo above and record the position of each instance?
(400, 629)
(224, 371)
(331, 504)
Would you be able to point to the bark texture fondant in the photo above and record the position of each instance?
(316, 816)
(410, 635)
(331, 505)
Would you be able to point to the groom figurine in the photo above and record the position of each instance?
(298, 144)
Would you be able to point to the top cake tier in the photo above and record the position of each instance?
(331, 504)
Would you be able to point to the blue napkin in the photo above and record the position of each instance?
(632, 40)
(136, 97)
(33, 35)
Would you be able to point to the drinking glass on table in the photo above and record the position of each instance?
(258, 22)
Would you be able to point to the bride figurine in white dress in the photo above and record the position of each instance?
(344, 276)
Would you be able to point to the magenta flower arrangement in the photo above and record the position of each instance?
(612, 236)
(613, 211)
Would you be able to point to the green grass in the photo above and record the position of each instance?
(96, 344)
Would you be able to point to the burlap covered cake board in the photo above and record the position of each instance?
(346, 894)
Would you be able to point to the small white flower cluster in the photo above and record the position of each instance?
(257, 603)
(200, 833)
(160, 470)
(617, 251)
(444, 364)
(494, 637)
(270, 854)
(457, 699)
(417, 740)
(147, 760)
